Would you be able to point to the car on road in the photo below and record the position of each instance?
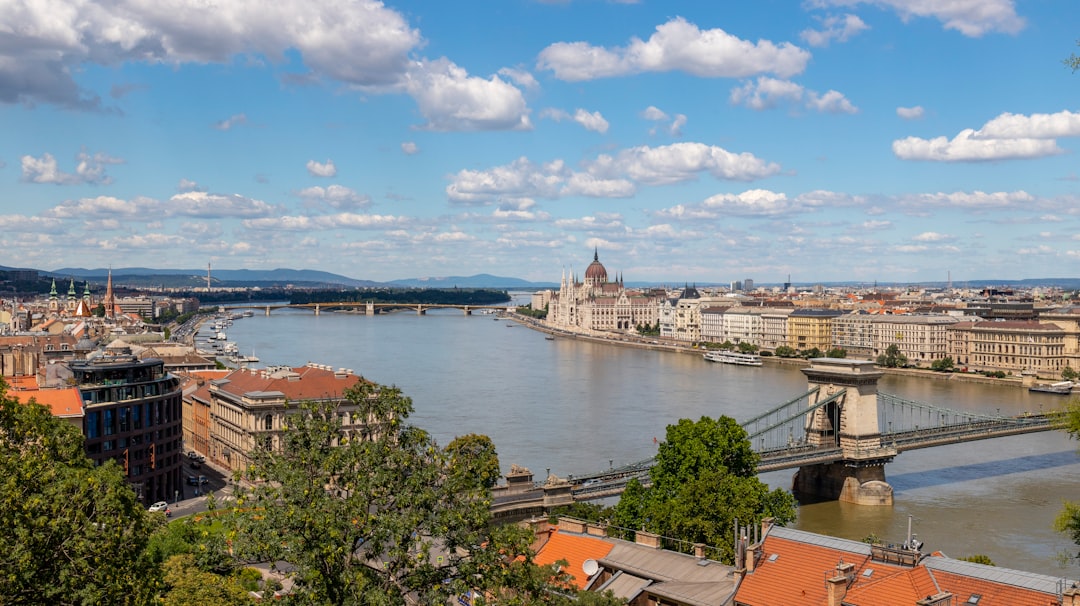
(161, 506)
(196, 480)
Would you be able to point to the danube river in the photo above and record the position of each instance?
(574, 407)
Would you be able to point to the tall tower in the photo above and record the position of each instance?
(207, 276)
(110, 298)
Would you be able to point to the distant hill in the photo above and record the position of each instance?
(477, 281)
(144, 276)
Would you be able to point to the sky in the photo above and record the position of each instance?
(682, 141)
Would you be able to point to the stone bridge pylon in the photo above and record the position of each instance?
(847, 420)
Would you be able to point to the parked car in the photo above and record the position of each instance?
(196, 480)
(161, 506)
(194, 456)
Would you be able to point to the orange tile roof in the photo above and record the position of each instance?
(63, 403)
(574, 549)
(905, 587)
(993, 593)
(314, 383)
(797, 574)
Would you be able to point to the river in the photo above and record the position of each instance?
(573, 407)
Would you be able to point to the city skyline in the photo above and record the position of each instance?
(829, 140)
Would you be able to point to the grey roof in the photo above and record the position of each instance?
(820, 540)
(676, 575)
(624, 585)
(1005, 576)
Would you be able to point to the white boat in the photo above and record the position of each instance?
(733, 357)
(1063, 388)
(221, 336)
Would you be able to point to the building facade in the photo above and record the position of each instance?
(597, 304)
(132, 414)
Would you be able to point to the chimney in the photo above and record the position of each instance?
(837, 589)
(647, 539)
(699, 551)
(941, 599)
(1071, 596)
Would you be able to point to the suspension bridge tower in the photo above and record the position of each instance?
(848, 422)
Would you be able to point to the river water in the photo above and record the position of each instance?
(574, 407)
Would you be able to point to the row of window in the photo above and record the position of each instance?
(123, 419)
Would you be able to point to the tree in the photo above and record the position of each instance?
(372, 519)
(892, 358)
(703, 479)
(836, 352)
(188, 585)
(785, 352)
(474, 456)
(943, 365)
(979, 558)
(747, 347)
(1073, 61)
(1068, 519)
(813, 352)
(73, 532)
(1069, 374)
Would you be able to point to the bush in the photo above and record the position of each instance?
(250, 579)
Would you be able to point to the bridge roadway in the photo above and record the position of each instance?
(420, 308)
(613, 481)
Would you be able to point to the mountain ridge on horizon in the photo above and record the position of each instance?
(483, 280)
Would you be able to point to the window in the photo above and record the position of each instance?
(93, 422)
(268, 422)
(110, 422)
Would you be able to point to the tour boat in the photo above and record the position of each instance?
(1062, 388)
(733, 357)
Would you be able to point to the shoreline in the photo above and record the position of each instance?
(652, 343)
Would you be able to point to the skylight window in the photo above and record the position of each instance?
(974, 599)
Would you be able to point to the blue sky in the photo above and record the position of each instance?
(888, 140)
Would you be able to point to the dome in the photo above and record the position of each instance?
(596, 273)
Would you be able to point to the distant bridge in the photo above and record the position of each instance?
(370, 308)
(839, 434)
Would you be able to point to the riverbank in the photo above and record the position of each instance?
(654, 343)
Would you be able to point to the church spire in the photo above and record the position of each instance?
(595, 254)
(110, 300)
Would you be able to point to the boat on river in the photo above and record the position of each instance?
(1061, 388)
(733, 357)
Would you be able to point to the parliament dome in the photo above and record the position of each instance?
(596, 273)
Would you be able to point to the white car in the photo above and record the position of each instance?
(161, 506)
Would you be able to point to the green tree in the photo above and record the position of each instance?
(705, 477)
(747, 347)
(943, 365)
(372, 519)
(73, 532)
(813, 352)
(979, 558)
(1068, 519)
(836, 352)
(188, 585)
(785, 352)
(1073, 61)
(892, 358)
(1069, 374)
(475, 458)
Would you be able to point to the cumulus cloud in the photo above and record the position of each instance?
(100, 206)
(1006, 137)
(758, 203)
(932, 236)
(972, 18)
(975, 200)
(360, 42)
(345, 220)
(335, 196)
(520, 77)
(910, 113)
(208, 205)
(768, 93)
(593, 121)
(520, 178)
(90, 169)
(836, 28)
(325, 169)
(654, 113)
(675, 46)
(409, 148)
(681, 162)
(231, 121)
(452, 100)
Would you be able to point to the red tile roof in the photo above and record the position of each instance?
(574, 549)
(64, 403)
(305, 383)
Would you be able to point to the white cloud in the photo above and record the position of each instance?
(345, 220)
(768, 93)
(976, 200)
(836, 28)
(521, 178)
(409, 148)
(675, 128)
(1035, 126)
(875, 225)
(316, 169)
(966, 147)
(89, 170)
(360, 42)
(593, 121)
(910, 113)
(335, 196)
(187, 185)
(675, 46)
(520, 77)
(932, 236)
(971, 18)
(583, 184)
(654, 113)
(202, 204)
(101, 206)
(452, 100)
(682, 162)
(231, 121)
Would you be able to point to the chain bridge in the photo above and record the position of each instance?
(839, 435)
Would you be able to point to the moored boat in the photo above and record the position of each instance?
(1062, 388)
(733, 357)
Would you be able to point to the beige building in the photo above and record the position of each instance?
(774, 323)
(922, 339)
(854, 333)
(597, 304)
(249, 407)
(1068, 320)
(1012, 346)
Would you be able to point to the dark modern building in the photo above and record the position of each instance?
(133, 415)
